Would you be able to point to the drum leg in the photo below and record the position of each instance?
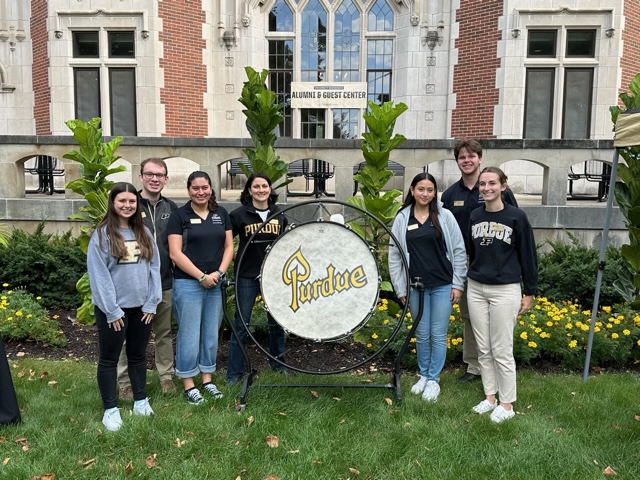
(247, 380)
(397, 386)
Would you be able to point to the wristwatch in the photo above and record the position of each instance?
(221, 273)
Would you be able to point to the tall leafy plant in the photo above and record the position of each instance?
(377, 144)
(96, 159)
(263, 114)
(627, 194)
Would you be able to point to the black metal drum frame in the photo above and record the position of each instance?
(318, 346)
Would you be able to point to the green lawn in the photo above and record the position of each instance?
(564, 429)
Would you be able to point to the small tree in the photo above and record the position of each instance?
(627, 194)
(95, 158)
(263, 114)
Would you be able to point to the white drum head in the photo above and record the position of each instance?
(320, 281)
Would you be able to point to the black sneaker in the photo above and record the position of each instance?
(469, 377)
(212, 390)
(193, 396)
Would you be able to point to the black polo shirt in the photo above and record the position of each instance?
(427, 254)
(202, 239)
(461, 201)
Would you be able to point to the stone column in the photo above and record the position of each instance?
(554, 186)
(12, 185)
(344, 182)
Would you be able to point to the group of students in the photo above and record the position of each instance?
(147, 258)
(477, 238)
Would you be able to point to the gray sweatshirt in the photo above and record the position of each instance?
(116, 283)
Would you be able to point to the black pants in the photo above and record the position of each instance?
(9, 411)
(110, 342)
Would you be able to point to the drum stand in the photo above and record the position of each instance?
(250, 373)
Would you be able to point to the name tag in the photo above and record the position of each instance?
(413, 227)
(458, 203)
(144, 214)
(195, 220)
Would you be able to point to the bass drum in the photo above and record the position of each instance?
(320, 281)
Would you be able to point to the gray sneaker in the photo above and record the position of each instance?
(212, 390)
(193, 396)
(112, 420)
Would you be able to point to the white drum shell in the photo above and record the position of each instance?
(320, 281)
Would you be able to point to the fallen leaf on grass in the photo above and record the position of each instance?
(596, 462)
(236, 443)
(52, 383)
(271, 477)
(179, 442)
(20, 374)
(314, 393)
(637, 417)
(342, 420)
(44, 374)
(151, 460)
(47, 476)
(250, 421)
(316, 462)
(392, 411)
(388, 401)
(282, 414)
(23, 443)
(6, 460)
(2, 439)
(89, 462)
(238, 477)
(20, 354)
(293, 451)
(354, 471)
(272, 441)
(337, 399)
(129, 467)
(609, 471)
(187, 415)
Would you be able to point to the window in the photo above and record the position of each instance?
(105, 91)
(559, 90)
(361, 35)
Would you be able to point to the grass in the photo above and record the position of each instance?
(564, 429)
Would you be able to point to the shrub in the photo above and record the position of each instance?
(568, 271)
(44, 264)
(22, 317)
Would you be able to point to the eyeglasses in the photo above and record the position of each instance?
(149, 175)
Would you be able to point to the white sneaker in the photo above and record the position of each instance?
(418, 387)
(500, 414)
(484, 406)
(431, 391)
(112, 420)
(142, 407)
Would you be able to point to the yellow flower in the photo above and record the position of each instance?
(532, 316)
(606, 309)
(374, 335)
(368, 345)
(636, 320)
(413, 350)
(532, 344)
(584, 327)
(614, 335)
(385, 321)
(568, 326)
(521, 322)
(55, 317)
(523, 335)
(18, 313)
(556, 317)
(452, 318)
(413, 340)
(609, 325)
(545, 335)
(538, 330)
(626, 332)
(639, 343)
(573, 344)
(5, 284)
(596, 329)
(38, 298)
(549, 324)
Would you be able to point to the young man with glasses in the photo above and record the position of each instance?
(156, 211)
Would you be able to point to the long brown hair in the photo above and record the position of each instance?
(111, 224)
(433, 204)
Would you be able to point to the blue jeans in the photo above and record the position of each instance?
(198, 311)
(246, 291)
(431, 333)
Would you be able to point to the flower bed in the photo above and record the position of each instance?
(554, 331)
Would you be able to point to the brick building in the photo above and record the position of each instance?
(479, 68)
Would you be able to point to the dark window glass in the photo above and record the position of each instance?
(581, 43)
(578, 92)
(121, 45)
(281, 18)
(280, 76)
(542, 43)
(345, 122)
(314, 42)
(122, 85)
(379, 62)
(538, 109)
(313, 122)
(87, 93)
(346, 48)
(85, 45)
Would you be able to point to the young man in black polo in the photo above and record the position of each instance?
(461, 199)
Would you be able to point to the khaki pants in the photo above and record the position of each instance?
(493, 310)
(469, 344)
(161, 327)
